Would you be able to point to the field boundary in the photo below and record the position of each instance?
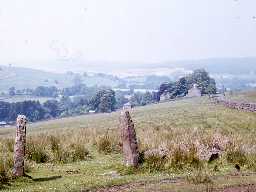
(241, 106)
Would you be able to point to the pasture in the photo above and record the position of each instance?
(83, 153)
(245, 96)
(21, 98)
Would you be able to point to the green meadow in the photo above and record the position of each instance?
(83, 153)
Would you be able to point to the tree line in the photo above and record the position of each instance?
(103, 101)
(80, 99)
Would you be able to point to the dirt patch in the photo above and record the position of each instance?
(241, 188)
(181, 183)
(136, 185)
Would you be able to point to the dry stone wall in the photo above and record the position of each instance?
(241, 106)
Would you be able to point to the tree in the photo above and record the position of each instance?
(200, 77)
(169, 87)
(120, 99)
(211, 88)
(42, 91)
(141, 99)
(65, 103)
(181, 87)
(147, 98)
(12, 91)
(52, 107)
(32, 109)
(4, 110)
(103, 101)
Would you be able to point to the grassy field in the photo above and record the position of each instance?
(21, 98)
(83, 153)
(245, 96)
(22, 78)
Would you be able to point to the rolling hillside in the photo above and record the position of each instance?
(22, 78)
(174, 124)
(233, 73)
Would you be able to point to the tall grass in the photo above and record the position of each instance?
(187, 130)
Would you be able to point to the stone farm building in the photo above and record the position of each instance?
(194, 92)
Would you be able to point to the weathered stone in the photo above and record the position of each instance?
(19, 147)
(129, 140)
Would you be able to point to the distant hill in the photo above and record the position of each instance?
(235, 66)
(22, 78)
(234, 73)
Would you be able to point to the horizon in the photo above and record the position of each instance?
(95, 66)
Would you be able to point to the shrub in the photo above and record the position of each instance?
(56, 149)
(9, 144)
(71, 153)
(126, 170)
(104, 144)
(199, 176)
(77, 152)
(181, 159)
(36, 152)
(6, 165)
(54, 143)
(155, 163)
(251, 162)
(4, 178)
(236, 156)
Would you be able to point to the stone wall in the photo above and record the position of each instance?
(242, 106)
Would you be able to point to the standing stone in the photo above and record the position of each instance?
(19, 147)
(129, 140)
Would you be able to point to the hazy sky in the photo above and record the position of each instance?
(33, 32)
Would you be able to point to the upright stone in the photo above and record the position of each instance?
(129, 140)
(19, 147)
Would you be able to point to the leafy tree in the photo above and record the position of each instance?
(4, 110)
(141, 99)
(120, 99)
(12, 91)
(211, 88)
(42, 91)
(203, 80)
(32, 109)
(104, 101)
(65, 103)
(180, 88)
(147, 98)
(52, 107)
(169, 87)
(105, 104)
